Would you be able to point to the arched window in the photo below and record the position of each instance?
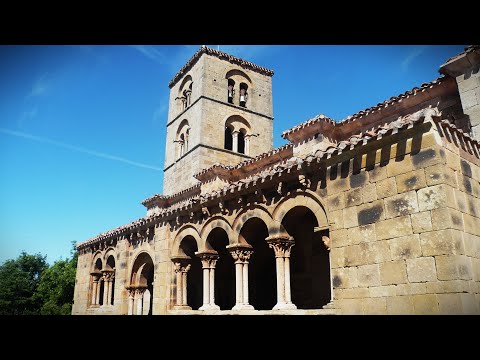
(241, 141)
(231, 90)
(228, 138)
(243, 94)
(182, 145)
(109, 275)
(97, 284)
(182, 139)
(185, 93)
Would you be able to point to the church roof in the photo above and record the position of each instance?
(293, 163)
(363, 113)
(221, 55)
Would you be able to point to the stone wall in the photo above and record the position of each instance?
(404, 238)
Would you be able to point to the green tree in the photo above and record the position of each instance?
(57, 285)
(19, 280)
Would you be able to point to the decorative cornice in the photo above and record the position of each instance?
(221, 55)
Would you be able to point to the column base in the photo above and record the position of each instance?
(285, 306)
(209, 307)
(239, 307)
(182, 307)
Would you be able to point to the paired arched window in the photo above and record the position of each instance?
(184, 98)
(182, 139)
(103, 282)
(237, 134)
(237, 77)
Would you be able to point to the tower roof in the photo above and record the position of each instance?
(221, 55)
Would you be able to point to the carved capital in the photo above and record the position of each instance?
(209, 259)
(181, 263)
(281, 244)
(240, 253)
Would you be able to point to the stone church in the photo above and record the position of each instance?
(376, 214)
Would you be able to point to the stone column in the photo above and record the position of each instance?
(107, 291)
(235, 140)
(94, 291)
(95, 286)
(139, 291)
(241, 254)
(181, 268)
(131, 299)
(247, 144)
(209, 260)
(282, 245)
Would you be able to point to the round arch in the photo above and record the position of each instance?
(134, 262)
(255, 211)
(184, 231)
(238, 76)
(185, 83)
(237, 122)
(304, 198)
(97, 256)
(213, 223)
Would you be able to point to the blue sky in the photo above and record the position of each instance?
(82, 128)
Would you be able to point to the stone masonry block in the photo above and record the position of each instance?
(336, 202)
(472, 224)
(393, 272)
(441, 242)
(368, 275)
(337, 257)
(386, 188)
(393, 228)
(470, 305)
(360, 234)
(336, 219)
(344, 277)
(377, 306)
(395, 168)
(446, 218)
(338, 238)
(421, 222)
(370, 213)
(451, 286)
(350, 218)
(405, 247)
(453, 267)
(450, 304)
(428, 157)
(440, 174)
(353, 197)
(378, 173)
(410, 289)
(434, 197)
(421, 269)
(401, 204)
(460, 201)
(369, 192)
(410, 181)
(400, 305)
(351, 306)
(425, 304)
(472, 245)
(453, 160)
(382, 291)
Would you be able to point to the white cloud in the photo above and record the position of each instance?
(419, 50)
(40, 86)
(151, 53)
(78, 149)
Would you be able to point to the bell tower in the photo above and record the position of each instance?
(220, 111)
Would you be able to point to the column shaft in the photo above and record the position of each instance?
(140, 303)
(109, 296)
(212, 286)
(131, 303)
(288, 292)
(206, 286)
(239, 282)
(280, 280)
(179, 287)
(184, 288)
(94, 292)
(99, 286)
(245, 283)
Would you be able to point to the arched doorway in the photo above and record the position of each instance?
(141, 286)
(261, 277)
(310, 261)
(194, 275)
(224, 269)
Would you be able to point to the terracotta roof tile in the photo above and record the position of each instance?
(221, 55)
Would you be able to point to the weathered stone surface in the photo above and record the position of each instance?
(400, 305)
(353, 293)
(446, 218)
(435, 197)
(421, 269)
(425, 304)
(344, 277)
(452, 286)
(406, 247)
(351, 306)
(470, 305)
(440, 174)
(382, 291)
(472, 224)
(386, 188)
(353, 197)
(453, 267)
(472, 245)
(336, 202)
(393, 272)
(337, 257)
(421, 222)
(410, 181)
(358, 180)
(368, 275)
(336, 219)
(367, 253)
(338, 238)
(401, 204)
(450, 304)
(378, 173)
(441, 242)
(460, 200)
(410, 289)
(369, 193)
(350, 218)
(428, 157)
(370, 213)
(395, 168)
(360, 234)
(392, 228)
(376, 306)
